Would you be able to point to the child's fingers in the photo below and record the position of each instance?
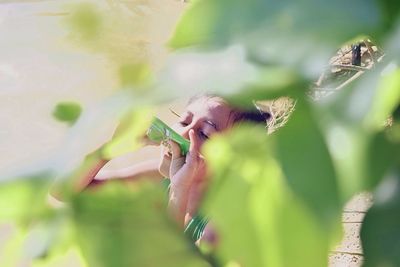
(194, 149)
(176, 165)
(194, 143)
(174, 149)
(177, 161)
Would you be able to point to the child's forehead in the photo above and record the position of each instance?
(214, 109)
(208, 105)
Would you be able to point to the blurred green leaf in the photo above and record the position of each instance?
(368, 101)
(122, 225)
(386, 99)
(251, 204)
(24, 200)
(219, 22)
(380, 232)
(37, 229)
(382, 156)
(70, 257)
(275, 201)
(348, 147)
(86, 21)
(307, 164)
(351, 120)
(129, 134)
(67, 112)
(283, 32)
(229, 73)
(133, 75)
(10, 252)
(271, 83)
(390, 13)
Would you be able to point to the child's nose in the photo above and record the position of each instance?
(182, 130)
(185, 131)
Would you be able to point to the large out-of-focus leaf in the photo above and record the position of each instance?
(259, 219)
(386, 99)
(369, 100)
(390, 12)
(382, 156)
(71, 257)
(134, 75)
(380, 233)
(392, 45)
(129, 34)
(348, 147)
(129, 134)
(270, 83)
(210, 22)
(24, 200)
(307, 163)
(127, 226)
(223, 71)
(301, 34)
(23, 206)
(350, 120)
(228, 72)
(86, 21)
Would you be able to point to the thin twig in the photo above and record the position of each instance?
(349, 67)
(320, 79)
(353, 78)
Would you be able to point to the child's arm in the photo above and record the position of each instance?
(147, 169)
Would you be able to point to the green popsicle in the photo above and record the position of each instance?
(159, 131)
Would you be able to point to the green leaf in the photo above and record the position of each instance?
(382, 156)
(307, 164)
(24, 200)
(67, 112)
(283, 33)
(251, 204)
(134, 75)
(129, 134)
(122, 225)
(390, 13)
(86, 21)
(386, 99)
(380, 233)
(353, 121)
(36, 229)
(208, 22)
(271, 83)
(368, 101)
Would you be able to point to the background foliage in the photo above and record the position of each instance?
(275, 200)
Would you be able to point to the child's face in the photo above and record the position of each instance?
(206, 116)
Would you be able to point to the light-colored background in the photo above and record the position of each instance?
(38, 68)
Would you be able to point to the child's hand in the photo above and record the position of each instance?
(185, 174)
(184, 169)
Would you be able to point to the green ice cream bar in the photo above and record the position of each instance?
(159, 132)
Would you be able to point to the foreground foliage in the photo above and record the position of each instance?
(275, 200)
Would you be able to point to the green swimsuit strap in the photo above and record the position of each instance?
(195, 228)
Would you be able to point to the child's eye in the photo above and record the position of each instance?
(184, 124)
(203, 135)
